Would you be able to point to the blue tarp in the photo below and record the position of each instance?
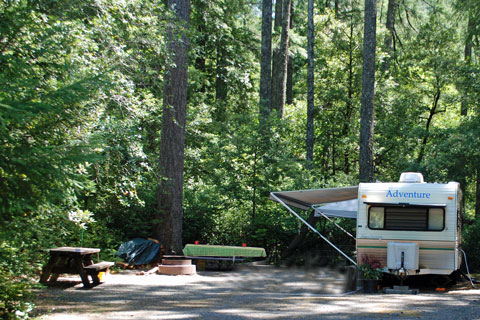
(138, 251)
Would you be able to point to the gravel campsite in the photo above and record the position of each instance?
(247, 292)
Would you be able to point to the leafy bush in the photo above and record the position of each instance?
(471, 239)
(15, 295)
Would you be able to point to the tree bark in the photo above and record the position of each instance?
(312, 220)
(289, 93)
(310, 86)
(278, 14)
(349, 104)
(366, 173)
(266, 62)
(477, 194)
(221, 73)
(433, 112)
(468, 59)
(172, 149)
(276, 64)
(279, 76)
(390, 25)
(390, 37)
(220, 81)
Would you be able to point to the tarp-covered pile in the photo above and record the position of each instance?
(138, 251)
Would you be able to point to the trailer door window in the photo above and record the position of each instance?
(409, 218)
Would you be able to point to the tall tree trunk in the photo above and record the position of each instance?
(200, 57)
(221, 70)
(278, 15)
(310, 86)
(276, 64)
(279, 76)
(469, 40)
(433, 112)
(220, 81)
(477, 194)
(289, 93)
(266, 62)
(289, 97)
(468, 58)
(172, 149)
(349, 105)
(368, 93)
(390, 37)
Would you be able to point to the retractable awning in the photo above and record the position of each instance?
(340, 209)
(312, 199)
(305, 199)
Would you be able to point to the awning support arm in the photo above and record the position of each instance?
(326, 217)
(312, 228)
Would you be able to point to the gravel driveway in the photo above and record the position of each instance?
(248, 292)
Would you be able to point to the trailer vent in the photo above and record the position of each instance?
(402, 255)
(411, 177)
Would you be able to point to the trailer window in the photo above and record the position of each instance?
(435, 219)
(408, 218)
(377, 218)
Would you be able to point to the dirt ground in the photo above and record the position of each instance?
(248, 292)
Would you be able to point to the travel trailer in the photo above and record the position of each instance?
(410, 226)
(421, 221)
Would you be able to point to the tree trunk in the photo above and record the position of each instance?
(349, 105)
(289, 93)
(433, 111)
(221, 70)
(277, 27)
(477, 195)
(469, 40)
(368, 93)
(312, 220)
(200, 57)
(220, 81)
(279, 75)
(310, 86)
(172, 149)
(278, 15)
(266, 62)
(390, 37)
(468, 59)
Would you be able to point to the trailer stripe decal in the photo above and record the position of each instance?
(384, 247)
(374, 247)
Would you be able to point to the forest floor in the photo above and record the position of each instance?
(248, 292)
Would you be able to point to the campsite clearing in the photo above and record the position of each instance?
(248, 292)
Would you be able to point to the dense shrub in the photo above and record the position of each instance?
(471, 239)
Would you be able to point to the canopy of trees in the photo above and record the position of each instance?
(83, 110)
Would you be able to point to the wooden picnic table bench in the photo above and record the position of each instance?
(73, 260)
(93, 270)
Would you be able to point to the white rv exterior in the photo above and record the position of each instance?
(425, 217)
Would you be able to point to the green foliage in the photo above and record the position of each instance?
(471, 238)
(14, 296)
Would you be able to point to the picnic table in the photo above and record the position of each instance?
(217, 257)
(73, 260)
(205, 250)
